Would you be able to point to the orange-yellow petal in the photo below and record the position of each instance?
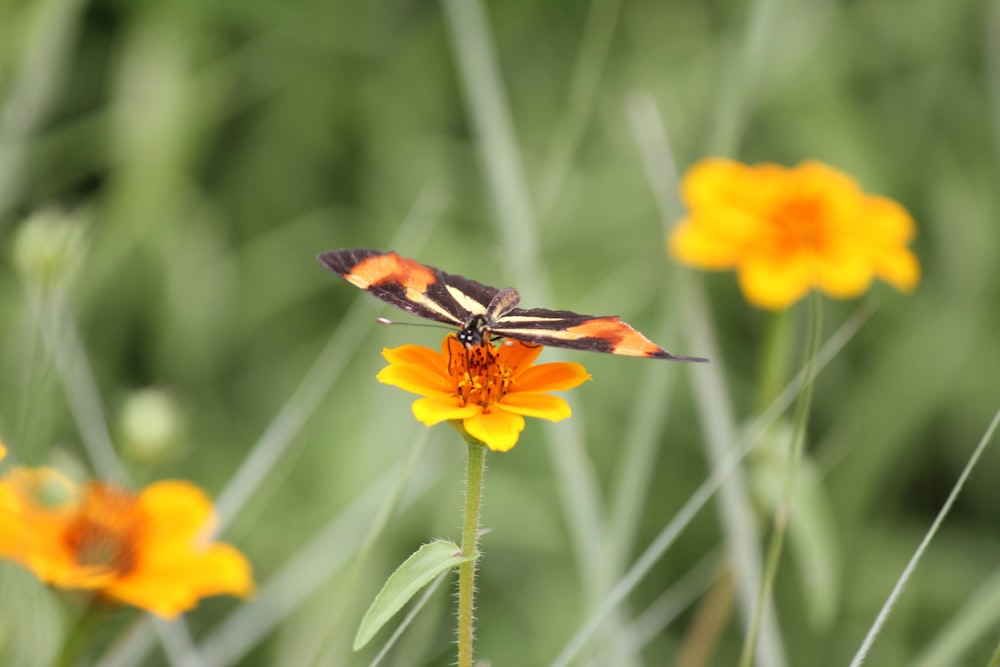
(775, 283)
(845, 275)
(176, 563)
(727, 184)
(555, 376)
(12, 528)
(176, 514)
(497, 429)
(517, 355)
(47, 501)
(3, 451)
(170, 586)
(787, 231)
(432, 410)
(489, 388)
(899, 268)
(416, 379)
(150, 549)
(815, 180)
(699, 246)
(543, 406)
(415, 354)
(41, 504)
(889, 220)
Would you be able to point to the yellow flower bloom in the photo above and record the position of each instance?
(148, 549)
(491, 389)
(787, 230)
(3, 450)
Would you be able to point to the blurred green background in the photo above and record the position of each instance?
(168, 171)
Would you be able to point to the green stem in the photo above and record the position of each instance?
(470, 542)
(76, 636)
(774, 358)
(783, 512)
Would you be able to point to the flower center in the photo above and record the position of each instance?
(799, 222)
(107, 531)
(479, 376)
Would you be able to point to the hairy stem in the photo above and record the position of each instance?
(470, 542)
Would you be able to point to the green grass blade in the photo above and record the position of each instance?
(741, 447)
(897, 590)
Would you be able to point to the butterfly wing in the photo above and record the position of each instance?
(564, 328)
(450, 299)
(407, 284)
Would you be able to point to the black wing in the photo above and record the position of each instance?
(564, 328)
(429, 292)
(407, 284)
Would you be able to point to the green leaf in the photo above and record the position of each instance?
(417, 571)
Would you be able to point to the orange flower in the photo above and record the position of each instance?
(787, 230)
(491, 389)
(148, 549)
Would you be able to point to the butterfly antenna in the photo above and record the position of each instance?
(386, 320)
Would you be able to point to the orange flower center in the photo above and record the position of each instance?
(799, 223)
(479, 376)
(107, 530)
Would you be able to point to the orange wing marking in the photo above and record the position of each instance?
(622, 338)
(391, 268)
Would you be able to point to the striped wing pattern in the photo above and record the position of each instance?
(414, 287)
(563, 328)
(455, 300)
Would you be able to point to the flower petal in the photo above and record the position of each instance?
(716, 182)
(844, 275)
(169, 586)
(899, 268)
(416, 354)
(473, 385)
(892, 222)
(729, 207)
(555, 376)
(768, 282)
(700, 245)
(517, 355)
(165, 563)
(13, 531)
(497, 429)
(812, 179)
(788, 230)
(543, 406)
(432, 410)
(38, 505)
(176, 513)
(176, 564)
(416, 379)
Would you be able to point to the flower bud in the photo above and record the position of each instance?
(48, 248)
(150, 425)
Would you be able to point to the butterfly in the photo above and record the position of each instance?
(480, 312)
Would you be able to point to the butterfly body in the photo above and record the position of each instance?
(479, 311)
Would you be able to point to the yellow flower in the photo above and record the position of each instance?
(787, 230)
(148, 549)
(3, 450)
(491, 389)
